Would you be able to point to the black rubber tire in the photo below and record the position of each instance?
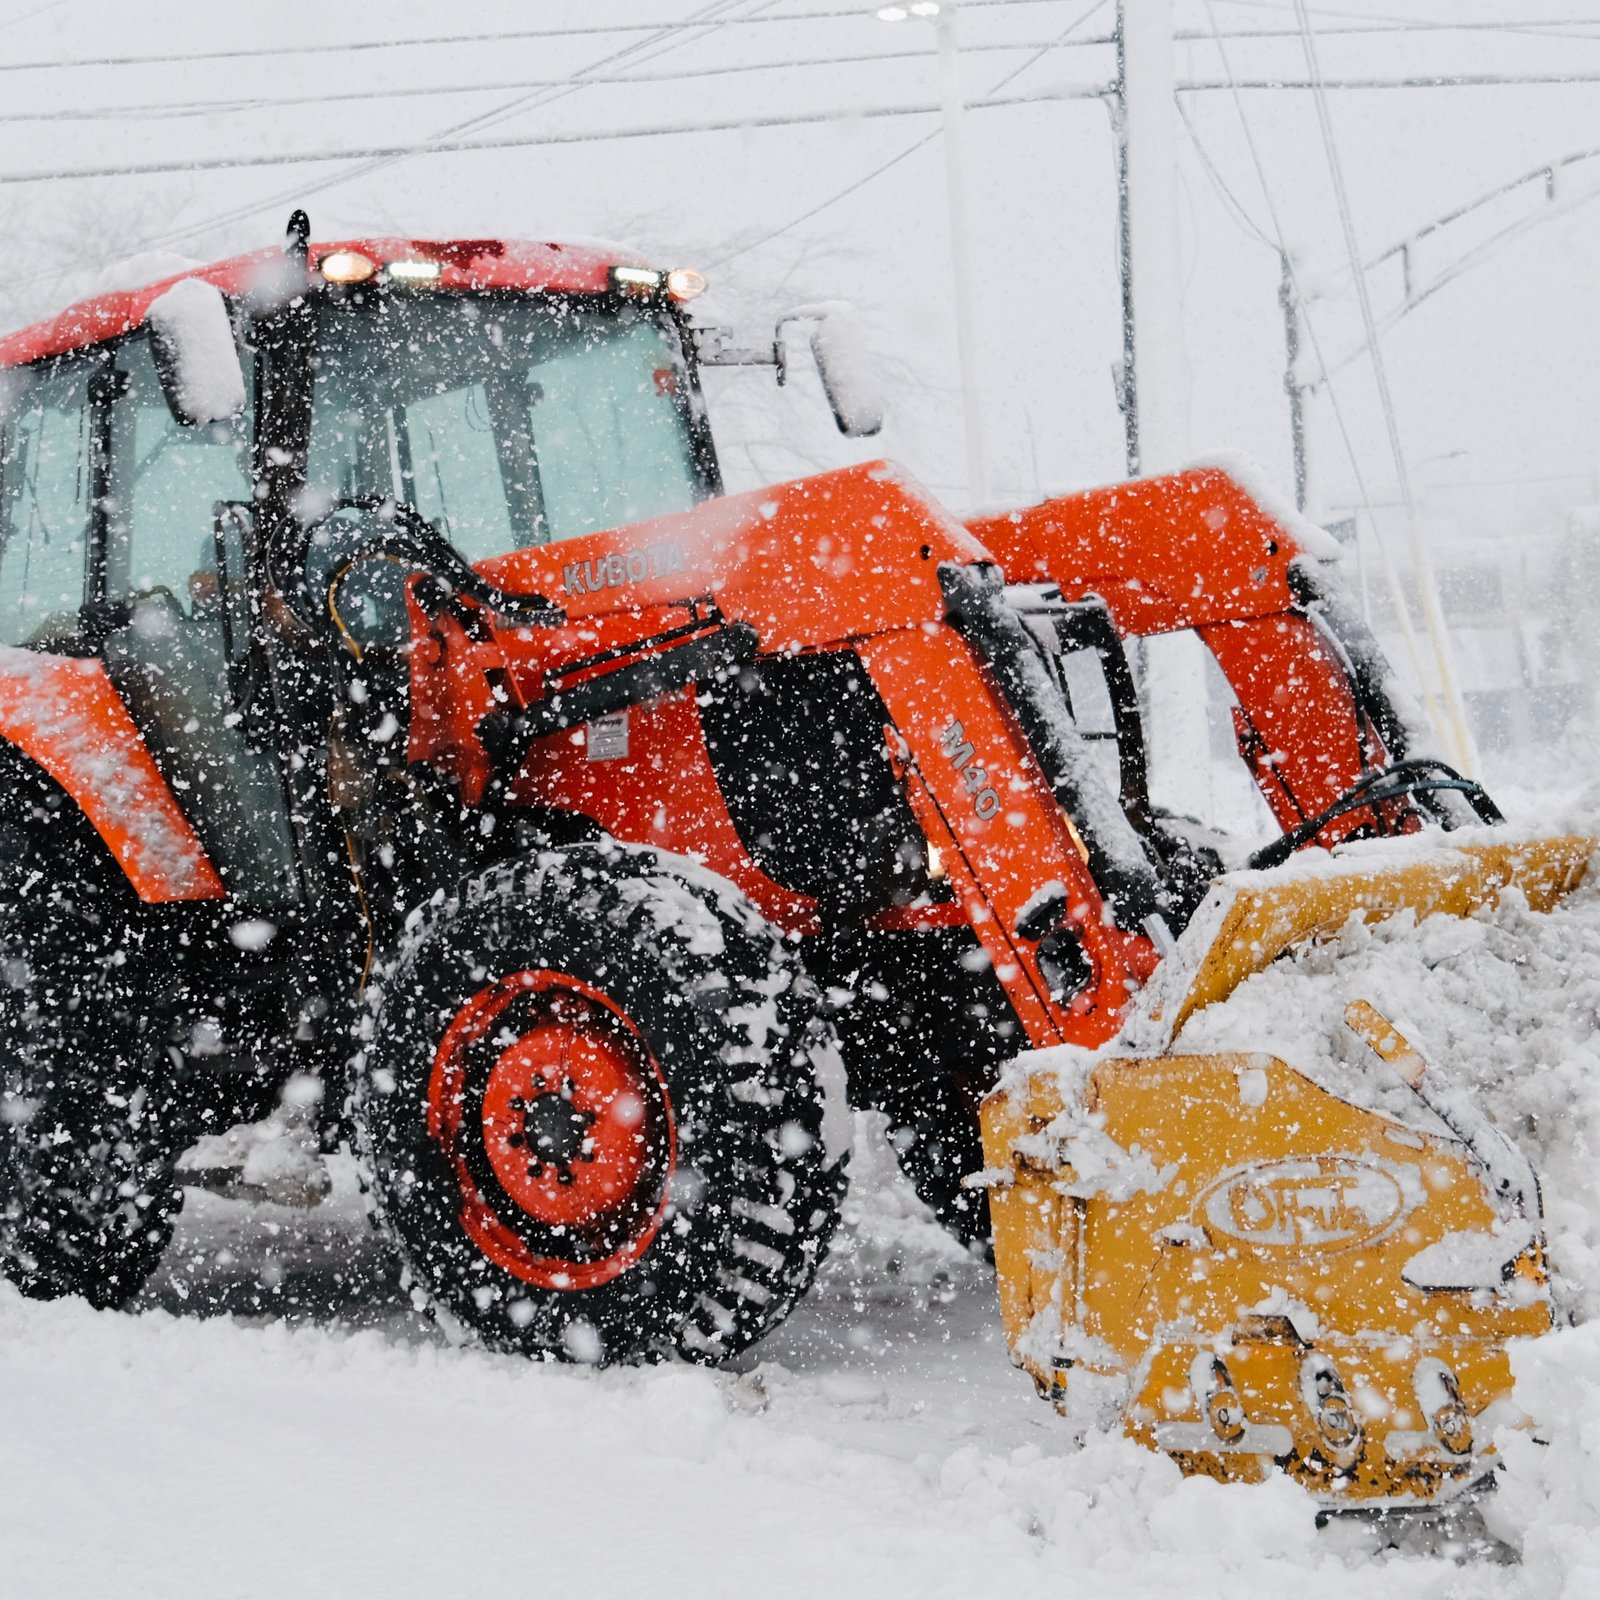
(755, 1199)
(87, 1147)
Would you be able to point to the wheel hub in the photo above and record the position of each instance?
(555, 1133)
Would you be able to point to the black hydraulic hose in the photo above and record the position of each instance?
(1392, 783)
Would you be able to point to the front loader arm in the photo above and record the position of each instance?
(662, 617)
(1194, 550)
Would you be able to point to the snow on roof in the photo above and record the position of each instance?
(556, 267)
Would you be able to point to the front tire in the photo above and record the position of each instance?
(593, 1104)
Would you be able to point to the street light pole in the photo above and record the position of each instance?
(955, 178)
(942, 14)
(1291, 378)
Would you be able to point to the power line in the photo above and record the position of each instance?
(910, 150)
(1456, 80)
(1534, 30)
(1229, 199)
(1419, 559)
(1467, 260)
(706, 20)
(28, 16)
(451, 146)
(1547, 171)
(858, 13)
(303, 191)
(1366, 26)
(832, 200)
(1415, 24)
(194, 108)
(178, 109)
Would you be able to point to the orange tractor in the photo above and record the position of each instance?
(394, 708)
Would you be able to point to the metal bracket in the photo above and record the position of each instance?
(714, 347)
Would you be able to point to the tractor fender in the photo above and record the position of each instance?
(63, 714)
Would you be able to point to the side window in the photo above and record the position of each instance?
(44, 499)
(166, 480)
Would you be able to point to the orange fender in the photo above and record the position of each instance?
(64, 715)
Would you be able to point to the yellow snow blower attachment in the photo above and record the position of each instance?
(1250, 1271)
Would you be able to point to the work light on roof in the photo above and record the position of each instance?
(636, 280)
(346, 266)
(413, 271)
(684, 283)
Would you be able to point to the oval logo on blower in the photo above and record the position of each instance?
(1318, 1200)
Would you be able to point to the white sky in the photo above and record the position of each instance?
(1495, 377)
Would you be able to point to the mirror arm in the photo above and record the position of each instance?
(713, 347)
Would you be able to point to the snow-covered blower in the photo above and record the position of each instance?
(1249, 1269)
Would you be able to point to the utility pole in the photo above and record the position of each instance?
(1154, 372)
(1154, 388)
(942, 14)
(1291, 379)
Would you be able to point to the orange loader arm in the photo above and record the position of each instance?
(1195, 550)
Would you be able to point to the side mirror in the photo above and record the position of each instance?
(839, 350)
(191, 338)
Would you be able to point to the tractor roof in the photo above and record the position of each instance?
(464, 264)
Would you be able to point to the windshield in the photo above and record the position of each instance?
(507, 421)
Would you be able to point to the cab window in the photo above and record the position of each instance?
(508, 421)
(44, 499)
(166, 481)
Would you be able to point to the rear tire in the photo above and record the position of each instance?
(87, 1197)
(593, 1106)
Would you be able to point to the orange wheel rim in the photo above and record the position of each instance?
(556, 1121)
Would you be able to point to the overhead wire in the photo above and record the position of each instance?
(1461, 737)
(910, 150)
(1230, 200)
(28, 16)
(303, 191)
(1392, 24)
(1363, 24)
(176, 109)
(386, 154)
(1291, 270)
(1435, 80)
(856, 13)
(180, 109)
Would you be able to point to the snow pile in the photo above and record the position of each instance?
(1505, 1003)
(388, 1469)
(1549, 1500)
(882, 1445)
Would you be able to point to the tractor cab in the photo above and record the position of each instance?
(181, 461)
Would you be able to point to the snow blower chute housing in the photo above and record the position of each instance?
(1250, 1270)
(396, 711)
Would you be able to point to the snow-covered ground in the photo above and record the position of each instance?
(276, 1419)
